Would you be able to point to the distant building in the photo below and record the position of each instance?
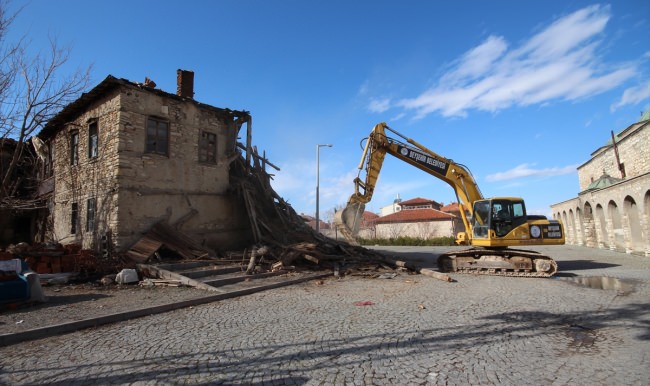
(612, 209)
(125, 156)
(311, 221)
(419, 218)
(392, 208)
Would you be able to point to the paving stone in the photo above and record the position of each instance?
(480, 329)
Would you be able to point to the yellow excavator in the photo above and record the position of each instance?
(492, 225)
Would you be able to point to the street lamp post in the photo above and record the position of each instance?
(317, 181)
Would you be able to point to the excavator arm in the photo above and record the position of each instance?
(377, 145)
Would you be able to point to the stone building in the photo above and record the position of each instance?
(612, 210)
(419, 218)
(126, 155)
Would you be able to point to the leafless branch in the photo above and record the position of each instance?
(33, 89)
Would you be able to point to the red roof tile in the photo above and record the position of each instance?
(417, 201)
(453, 207)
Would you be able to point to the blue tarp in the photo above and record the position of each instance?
(15, 290)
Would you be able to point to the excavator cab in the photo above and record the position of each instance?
(499, 215)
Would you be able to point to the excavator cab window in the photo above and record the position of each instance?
(506, 215)
(481, 219)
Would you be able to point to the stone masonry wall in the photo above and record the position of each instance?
(156, 187)
(615, 217)
(90, 178)
(633, 150)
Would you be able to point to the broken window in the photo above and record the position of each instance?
(74, 218)
(74, 147)
(93, 140)
(91, 207)
(49, 161)
(208, 147)
(157, 136)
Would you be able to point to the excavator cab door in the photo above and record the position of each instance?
(481, 219)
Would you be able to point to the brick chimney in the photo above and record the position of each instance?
(185, 83)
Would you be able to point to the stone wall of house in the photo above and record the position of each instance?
(134, 189)
(176, 187)
(633, 151)
(91, 178)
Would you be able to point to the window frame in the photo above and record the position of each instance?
(91, 212)
(93, 133)
(74, 147)
(152, 147)
(207, 150)
(74, 218)
(48, 163)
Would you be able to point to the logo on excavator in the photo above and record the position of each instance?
(424, 160)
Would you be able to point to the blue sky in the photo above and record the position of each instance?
(521, 92)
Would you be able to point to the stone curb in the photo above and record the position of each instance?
(63, 328)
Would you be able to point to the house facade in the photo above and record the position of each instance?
(126, 155)
(418, 218)
(612, 210)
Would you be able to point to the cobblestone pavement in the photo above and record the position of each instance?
(409, 330)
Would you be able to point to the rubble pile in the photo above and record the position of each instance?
(54, 258)
(284, 236)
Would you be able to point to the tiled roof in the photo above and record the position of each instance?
(368, 219)
(369, 216)
(76, 108)
(417, 201)
(415, 215)
(453, 207)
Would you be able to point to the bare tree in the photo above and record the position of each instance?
(33, 88)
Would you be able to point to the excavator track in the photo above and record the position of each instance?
(498, 262)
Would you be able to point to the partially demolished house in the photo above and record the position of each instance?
(18, 209)
(126, 156)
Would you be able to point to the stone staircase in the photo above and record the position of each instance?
(226, 279)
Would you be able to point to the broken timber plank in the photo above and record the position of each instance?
(159, 273)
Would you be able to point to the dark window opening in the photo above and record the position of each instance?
(157, 137)
(91, 207)
(49, 161)
(74, 218)
(93, 140)
(208, 147)
(74, 147)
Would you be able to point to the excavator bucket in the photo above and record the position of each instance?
(349, 219)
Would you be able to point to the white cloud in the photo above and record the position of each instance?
(560, 62)
(379, 105)
(633, 96)
(527, 170)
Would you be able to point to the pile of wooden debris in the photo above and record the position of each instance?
(280, 232)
